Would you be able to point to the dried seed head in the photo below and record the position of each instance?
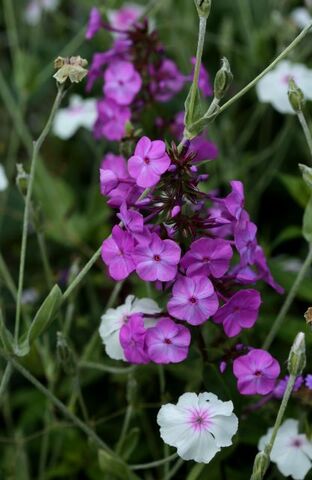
(71, 68)
(308, 316)
(203, 7)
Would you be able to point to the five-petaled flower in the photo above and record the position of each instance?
(167, 342)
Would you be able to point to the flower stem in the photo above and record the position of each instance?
(250, 85)
(288, 301)
(199, 54)
(5, 380)
(55, 401)
(36, 149)
(157, 463)
(306, 131)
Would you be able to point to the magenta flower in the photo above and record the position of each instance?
(208, 256)
(256, 372)
(149, 162)
(193, 299)
(113, 170)
(117, 254)
(245, 238)
(132, 220)
(167, 80)
(203, 148)
(124, 18)
(112, 119)
(281, 385)
(132, 339)
(308, 381)
(122, 82)
(94, 23)
(240, 311)
(167, 342)
(234, 202)
(157, 260)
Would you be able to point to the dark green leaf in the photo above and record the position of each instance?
(307, 222)
(297, 188)
(111, 464)
(130, 443)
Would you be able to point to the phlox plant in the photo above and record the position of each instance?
(190, 370)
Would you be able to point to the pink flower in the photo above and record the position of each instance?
(157, 260)
(132, 338)
(256, 372)
(117, 254)
(167, 342)
(208, 256)
(113, 170)
(112, 119)
(193, 300)
(149, 162)
(122, 82)
(167, 80)
(94, 24)
(240, 311)
(125, 17)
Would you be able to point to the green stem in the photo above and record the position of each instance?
(8, 280)
(36, 149)
(55, 401)
(45, 259)
(306, 131)
(5, 380)
(174, 469)
(124, 429)
(250, 85)
(199, 54)
(288, 301)
(105, 368)
(155, 464)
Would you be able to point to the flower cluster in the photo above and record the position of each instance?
(198, 248)
(135, 72)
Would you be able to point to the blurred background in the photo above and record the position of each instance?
(257, 145)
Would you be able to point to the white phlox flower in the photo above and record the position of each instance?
(198, 425)
(115, 318)
(292, 451)
(3, 179)
(35, 8)
(273, 87)
(301, 17)
(80, 113)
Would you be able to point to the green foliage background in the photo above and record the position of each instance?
(257, 145)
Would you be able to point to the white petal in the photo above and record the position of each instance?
(64, 125)
(188, 400)
(294, 462)
(145, 305)
(265, 440)
(301, 17)
(223, 428)
(113, 348)
(3, 179)
(200, 447)
(173, 424)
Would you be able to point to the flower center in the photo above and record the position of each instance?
(258, 373)
(206, 259)
(167, 341)
(296, 443)
(157, 258)
(193, 300)
(146, 160)
(199, 419)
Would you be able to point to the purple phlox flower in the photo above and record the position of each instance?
(94, 24)
(245, 238)
(125, 17)
(204, 82)
(193, 299)
(132, 220)
(112, 119)
(149, 162)
(157, 260)
(175, 211)
(222, 366)
(122, 82)
(256, 372)
(132, 340)
(240, 311)
(167, 342)
(204, 149)
(117, 252)
(281, 385)
(233, 203)
(308, 381)
(264, 271)
(113, 170)
(166, 81)
(209, 257)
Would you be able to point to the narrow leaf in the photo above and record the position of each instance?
(307, 222)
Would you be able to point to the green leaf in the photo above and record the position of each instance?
(42, 320)
(112, 465)
(306, 175)
(196, 471)
(296, 188)
(130, 442)
(6, 336)
(192, 115)
(307, 222)
(199, 125)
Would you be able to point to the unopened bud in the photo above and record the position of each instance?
(306, 174)
(65, 354)
(22, 179)
(71, 68)
(295, 96)
(261, 464)
(223, 79)
(297, 355)
(203, 7)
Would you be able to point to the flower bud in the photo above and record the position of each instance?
(261, 464)
(223, 79)
(65, 354)
(203, 7)
(297, 355)
(22, 179)
(306, 174)
(295, 96)
(71, 68)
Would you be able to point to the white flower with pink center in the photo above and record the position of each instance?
(292, 451)
(198, 425)
(273, 87)
(79, 113)
(115, 318)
